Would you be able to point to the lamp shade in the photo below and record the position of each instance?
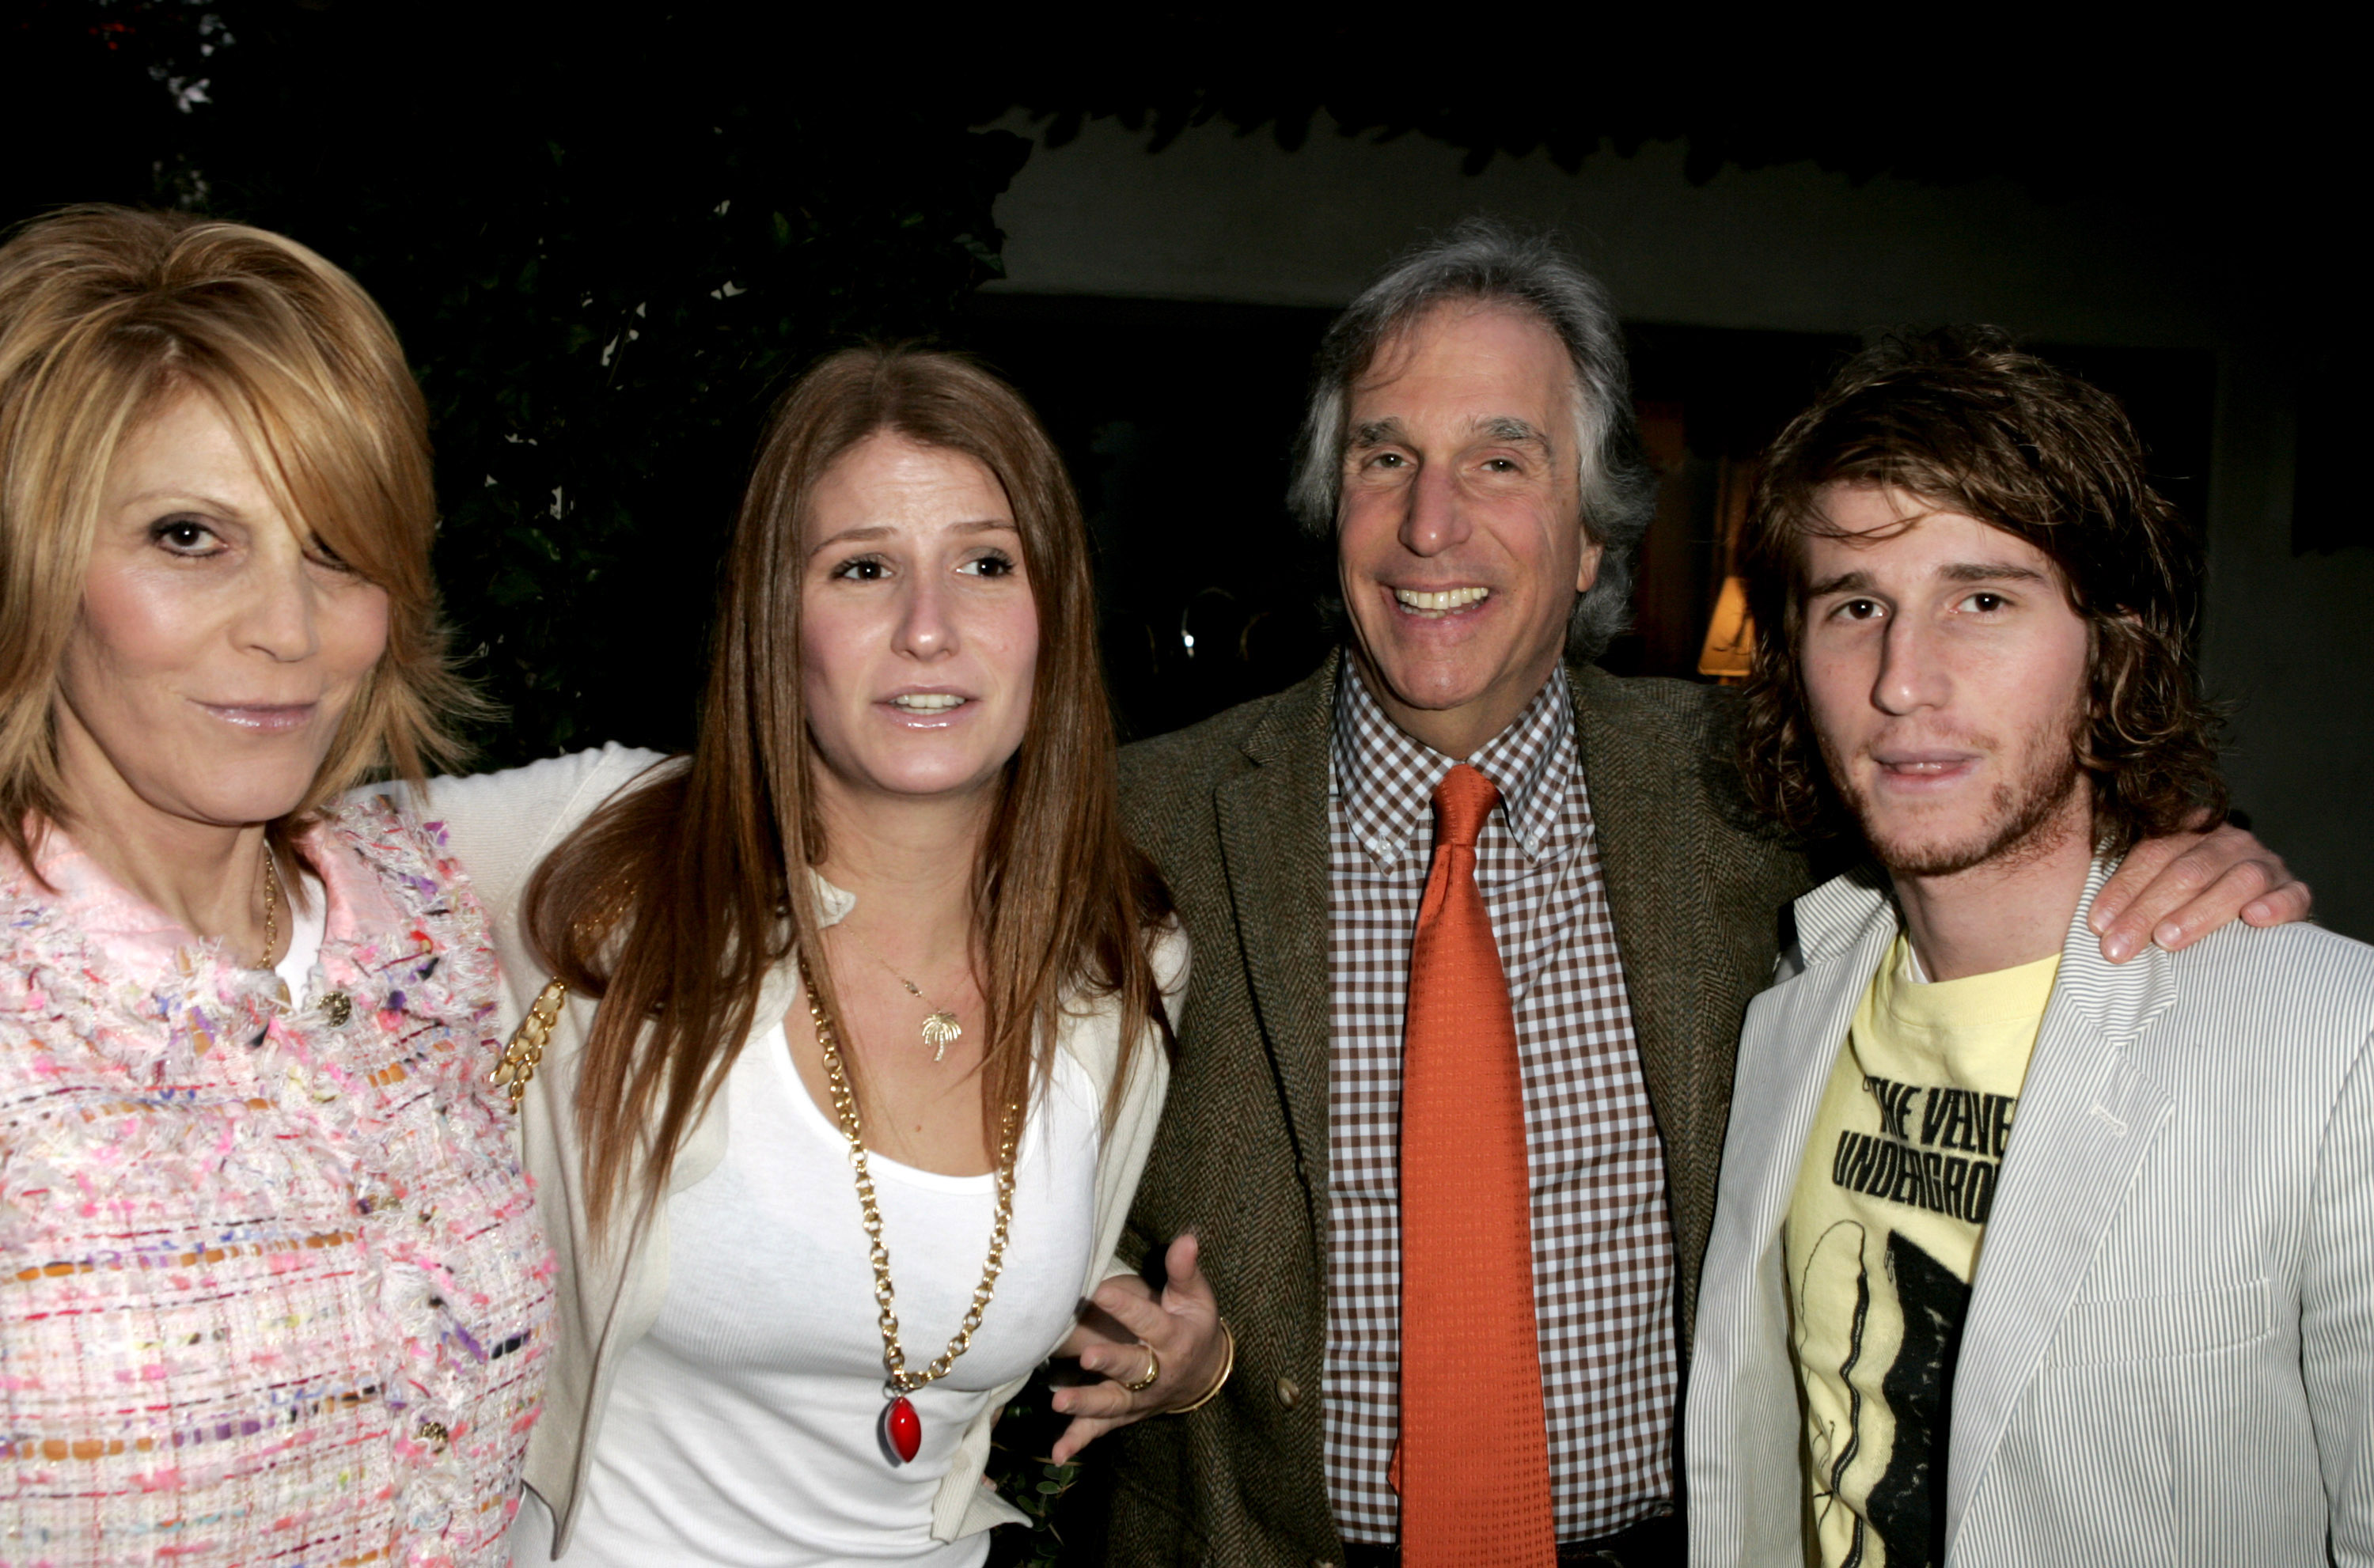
(1730, 636)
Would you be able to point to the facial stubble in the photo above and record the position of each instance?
(2024, 820)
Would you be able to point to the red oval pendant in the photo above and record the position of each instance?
(901, 1431)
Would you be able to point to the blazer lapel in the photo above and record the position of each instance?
(1642, 863)
(1272, 820)
(1652, 843)
(1785, 1064)
(1746, 1439)
(2087, 1115)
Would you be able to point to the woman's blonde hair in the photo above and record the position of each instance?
(107, 317)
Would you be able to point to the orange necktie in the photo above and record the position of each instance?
(1473, 1467)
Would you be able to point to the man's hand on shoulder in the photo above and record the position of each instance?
(2173, 891)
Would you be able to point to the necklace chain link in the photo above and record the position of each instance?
(844, 1106)
(271, 908)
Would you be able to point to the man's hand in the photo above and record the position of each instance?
(1180, 1326)
(2174, 891)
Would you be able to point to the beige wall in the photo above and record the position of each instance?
(1219, 216)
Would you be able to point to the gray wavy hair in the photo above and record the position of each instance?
(1491, 263)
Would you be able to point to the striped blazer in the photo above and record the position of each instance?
(2170, 1350)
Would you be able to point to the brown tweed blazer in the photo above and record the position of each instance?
(1234, 811)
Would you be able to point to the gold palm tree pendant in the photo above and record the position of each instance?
(939, 1029)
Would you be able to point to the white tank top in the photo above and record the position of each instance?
(741, 1431)
(308, 929)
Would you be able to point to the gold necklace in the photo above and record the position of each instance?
(271, 902)
(900, 1430)
(941, 1029)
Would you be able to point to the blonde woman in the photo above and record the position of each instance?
(857, 1030)
(271, 1290)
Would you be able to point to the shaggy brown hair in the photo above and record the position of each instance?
(672, 901)
(1963, 421)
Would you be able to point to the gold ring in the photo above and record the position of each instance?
(1153, 1371)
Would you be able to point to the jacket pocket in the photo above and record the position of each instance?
(2128, 1329)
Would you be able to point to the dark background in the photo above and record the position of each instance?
(1178, 419)
(607, 245)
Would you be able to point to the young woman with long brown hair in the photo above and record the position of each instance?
(854, 1038)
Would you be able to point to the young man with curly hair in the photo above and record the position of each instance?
(2019, 1257)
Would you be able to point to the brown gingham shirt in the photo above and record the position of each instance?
(1603, 1240)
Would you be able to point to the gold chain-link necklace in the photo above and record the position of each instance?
(900, 1431)
(271, 902)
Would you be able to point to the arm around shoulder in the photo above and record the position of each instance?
(500, 825)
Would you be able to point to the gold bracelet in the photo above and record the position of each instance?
(1227, 1367)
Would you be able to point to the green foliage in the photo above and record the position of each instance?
(1018, 1465)
(598, 369)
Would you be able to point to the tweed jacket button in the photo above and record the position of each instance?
(1289, 1392)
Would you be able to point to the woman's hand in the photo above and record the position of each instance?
(1178, 1336)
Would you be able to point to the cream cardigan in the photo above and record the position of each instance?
(500, 825)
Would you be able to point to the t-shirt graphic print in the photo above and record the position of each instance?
(1882, 1237)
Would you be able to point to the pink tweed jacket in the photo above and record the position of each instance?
(271, 1286)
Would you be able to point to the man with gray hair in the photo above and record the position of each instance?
(1456, 1062)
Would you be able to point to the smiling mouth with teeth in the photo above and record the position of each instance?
(1439, 603)
(927, 702)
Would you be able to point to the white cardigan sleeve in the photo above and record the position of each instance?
(965, 1502)
(500, 825)
(1131, 1139)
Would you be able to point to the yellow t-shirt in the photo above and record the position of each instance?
(1881, 1238)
